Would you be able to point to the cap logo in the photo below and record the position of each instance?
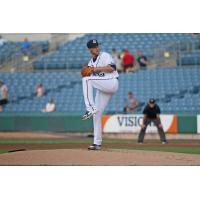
(94, 41)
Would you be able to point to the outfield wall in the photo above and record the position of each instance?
(53, 122)
(63, 122)
(172, 124)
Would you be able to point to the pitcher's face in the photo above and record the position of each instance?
(94, 51)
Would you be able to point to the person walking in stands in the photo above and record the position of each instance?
(25, 47)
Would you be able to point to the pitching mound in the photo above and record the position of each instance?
(104, 157)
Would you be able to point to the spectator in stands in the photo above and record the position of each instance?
(50, 106)
(4, 95)
(25, 46)
(128, 61)
(116, 58)
(131, 103)
(122, 54)
(142, 60)
(40, 90)
(2, 41)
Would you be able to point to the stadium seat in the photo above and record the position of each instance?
(75, 54)
(176, 90)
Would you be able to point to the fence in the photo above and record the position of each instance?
(171, 54)
(66, 122)
(60, 122)
(163, 55)
(18, 60)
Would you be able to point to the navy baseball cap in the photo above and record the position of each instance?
(92, 44)
(152, 101)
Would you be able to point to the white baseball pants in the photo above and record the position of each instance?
(105, 87)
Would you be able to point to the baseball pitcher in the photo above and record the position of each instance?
(100, 74)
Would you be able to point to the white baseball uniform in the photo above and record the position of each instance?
(106, 84)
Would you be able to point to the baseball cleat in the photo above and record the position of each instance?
(94, 147)
(140, 142)
(89, 114)
(164, 142)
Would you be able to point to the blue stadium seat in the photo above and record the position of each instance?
(75, 53)
(176, 90)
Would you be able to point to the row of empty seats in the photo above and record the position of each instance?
(9, 49)
(176, 90)
(74, 54)
(189, 58)
(6, 51)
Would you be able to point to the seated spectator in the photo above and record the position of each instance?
(2, 41)
(4, 95)
(131, 103)
(40, 90)
(142, 60)
(50, 106)
(128, 61)
(116, 58)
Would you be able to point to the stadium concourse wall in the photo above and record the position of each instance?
(119, 123)
(16, 37)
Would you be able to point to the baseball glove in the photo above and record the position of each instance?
(87, 71)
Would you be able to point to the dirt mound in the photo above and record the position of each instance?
(104, 157)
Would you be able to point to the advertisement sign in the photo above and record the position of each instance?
(132, 124)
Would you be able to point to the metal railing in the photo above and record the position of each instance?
(22, 61)
(171, 54)
(163, 54)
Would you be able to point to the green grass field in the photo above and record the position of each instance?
(188, 150)
(4, 151)
(165, 148)
(61, 141)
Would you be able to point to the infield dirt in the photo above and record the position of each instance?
(48, 152)
(103, 158)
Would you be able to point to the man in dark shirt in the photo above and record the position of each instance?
(152, 114)
(142, 60)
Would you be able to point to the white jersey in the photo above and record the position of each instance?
(104, 59)
(50, 107)
(106, 85)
